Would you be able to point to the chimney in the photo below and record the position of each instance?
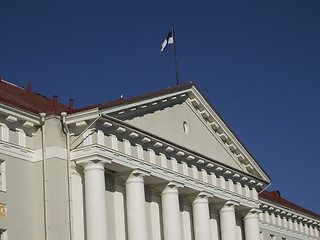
(29, 88)
(55, 101)
(71, 104)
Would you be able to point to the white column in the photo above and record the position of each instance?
(251, 225)
(215, 225)
(136, 210)
(95, 201)
(228, 221)
(77, 203)
(172, 229)
(316, 230)
(201, 217)
(153, 200)
(186, 219)
(119, 210)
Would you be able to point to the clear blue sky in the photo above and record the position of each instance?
(258, 63)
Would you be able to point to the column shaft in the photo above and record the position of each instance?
(96, 211)
(251, 225)
(228, 222)
(136, 211)
(201, 218)
(77, 204)
(172, 229)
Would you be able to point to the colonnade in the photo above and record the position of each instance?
(96, 212)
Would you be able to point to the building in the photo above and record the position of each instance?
(122, 171)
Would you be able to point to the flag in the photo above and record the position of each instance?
(167, 40)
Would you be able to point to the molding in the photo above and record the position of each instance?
(51, 152)
(99, 152)
(21, 115)
(171, 150)
(273, 208)
(16, 151)
(223, 131)
(284, 231)
(85, 115)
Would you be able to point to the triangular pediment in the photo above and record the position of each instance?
(183, 117)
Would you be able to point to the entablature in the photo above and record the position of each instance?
(288, 213)
(18, 119)
(121, 163)
(125, 132)
(16, 151)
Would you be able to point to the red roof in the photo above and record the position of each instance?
(25, 99)
(123, 101)
(275, 196)
(15, 96)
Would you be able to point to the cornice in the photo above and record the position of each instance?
(181, 154)
(22, 119)
(85, 115)
(102, 153)
(16, 151)
(282, 230)
(170, 150)
(219, 126)
(276, 209)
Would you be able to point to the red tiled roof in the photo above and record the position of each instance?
(275, 196)
(19, 97)
(25, 99)
(124, 101)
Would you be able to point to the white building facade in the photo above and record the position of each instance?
(163, 166)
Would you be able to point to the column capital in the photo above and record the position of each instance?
(172, 185)
(229, 206)
(76, 168)
(252, 213)
(93, 165)
(202, 197)
(135, 175)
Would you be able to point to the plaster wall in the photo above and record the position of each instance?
(23, 198)
(169, 124)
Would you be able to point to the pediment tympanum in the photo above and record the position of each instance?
(183, 117)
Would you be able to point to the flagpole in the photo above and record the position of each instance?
(175, 56)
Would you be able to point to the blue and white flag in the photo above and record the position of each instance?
(167, 40)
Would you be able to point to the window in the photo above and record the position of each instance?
(2, 176)
(4, 132)
(21, 137)
(185, 127)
